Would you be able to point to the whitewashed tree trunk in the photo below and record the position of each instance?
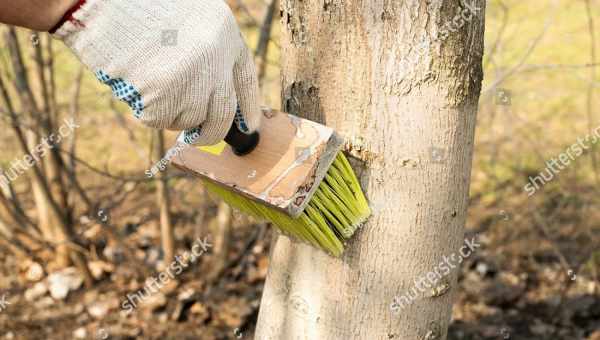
(401, 81)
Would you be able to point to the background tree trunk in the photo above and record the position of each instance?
(409, 116)
(163, 200)
(41, 204)
(221, 229)
(54, 213)
(262, 48)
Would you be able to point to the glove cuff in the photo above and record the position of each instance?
(72, 20)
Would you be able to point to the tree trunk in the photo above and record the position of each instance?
(41, 204)
(262, 48)
(401, 81)
(60, 227)
(220, 228)
(48, 222)
(164, 202)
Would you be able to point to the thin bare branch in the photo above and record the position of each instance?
(532, 46)
(262, 49)
(590, 90)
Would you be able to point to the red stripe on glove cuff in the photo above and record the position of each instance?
(69, 17)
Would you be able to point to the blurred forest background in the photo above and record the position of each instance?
(86, 226)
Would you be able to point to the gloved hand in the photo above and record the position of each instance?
(180, 65)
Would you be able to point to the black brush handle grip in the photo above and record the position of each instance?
(241, 143)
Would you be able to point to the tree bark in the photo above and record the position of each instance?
(221, 228)
(401, 81)
(164, 202)
(41, 204)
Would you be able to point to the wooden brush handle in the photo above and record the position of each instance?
(241, 143)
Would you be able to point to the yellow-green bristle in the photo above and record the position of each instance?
(336, 210)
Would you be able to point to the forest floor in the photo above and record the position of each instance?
(529, 280)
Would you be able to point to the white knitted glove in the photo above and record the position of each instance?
(180, 65)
